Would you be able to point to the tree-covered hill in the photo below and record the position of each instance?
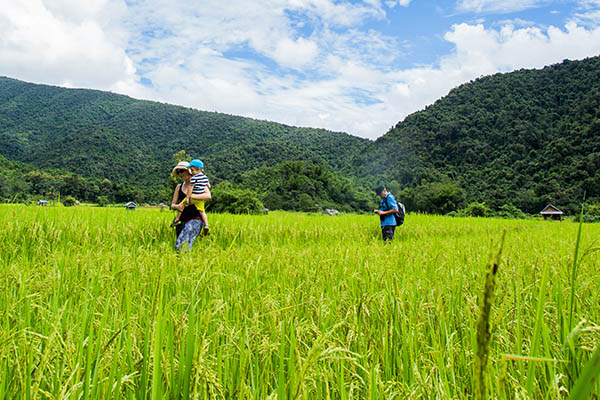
(526, 138)
(523, 139)
(108, 136)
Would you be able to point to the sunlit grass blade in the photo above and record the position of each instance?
(539, 321)
(588, 379)
(516, 357)
(157, 350)
(574, 268)
(186, 376)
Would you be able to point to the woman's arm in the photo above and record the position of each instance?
(175, 202)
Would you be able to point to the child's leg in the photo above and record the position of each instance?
(200, 207)
(204, 218)
(206, 229)
(177, 217)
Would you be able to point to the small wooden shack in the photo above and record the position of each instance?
(42, 203)
(131, 206)
(551, 212)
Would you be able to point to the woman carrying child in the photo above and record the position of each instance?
(190, 221)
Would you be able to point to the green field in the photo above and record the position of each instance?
(95, 303)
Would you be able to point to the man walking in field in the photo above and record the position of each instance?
(387, 207)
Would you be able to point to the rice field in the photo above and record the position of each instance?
(96, 304)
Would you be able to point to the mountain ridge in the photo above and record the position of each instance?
(101, 134)
(525, 139)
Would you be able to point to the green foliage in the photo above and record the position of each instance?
(591, 213)
(305, 186)
(433, 198)
(103, 201)
(475, 209)
(181, 155)
(20, 182)
(526, 138)
(587, 381)
(510, 211)
(69, 201)
(228, 199)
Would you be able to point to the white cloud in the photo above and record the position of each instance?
(295, 53)
(488, 6)
(514, 22)
(588, 13)
(300, 62)
(62, 45)
(478, 51)
(507, 49)
(340, 13)
(394, 3)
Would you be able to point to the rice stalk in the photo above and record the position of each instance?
(483, 326)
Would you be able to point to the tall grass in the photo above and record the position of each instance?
(94, 303)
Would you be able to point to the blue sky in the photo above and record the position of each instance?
(357, 66)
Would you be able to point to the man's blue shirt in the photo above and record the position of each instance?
(388, 203)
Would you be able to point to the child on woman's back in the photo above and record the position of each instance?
(199, 183)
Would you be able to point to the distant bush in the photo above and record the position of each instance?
(475, 209)
(227, 199)
(103, 201)
(69, 201)
(587, 218)
(307, 203)
(591, 213)
(433, 198)
(304, 186)
(510, 211)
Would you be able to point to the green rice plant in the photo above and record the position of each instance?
(588, 379)
(574, 269)
(539, 323)
(95, 303)
(157, 389)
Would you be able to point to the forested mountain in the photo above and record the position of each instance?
(102, 135)
(525, 138)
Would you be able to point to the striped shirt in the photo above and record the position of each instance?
(199, 183)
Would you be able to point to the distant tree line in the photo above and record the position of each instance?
(22, 183)
(289, 185)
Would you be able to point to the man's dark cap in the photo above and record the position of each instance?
(379, 189)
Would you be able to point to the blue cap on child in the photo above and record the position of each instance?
(196, 163)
